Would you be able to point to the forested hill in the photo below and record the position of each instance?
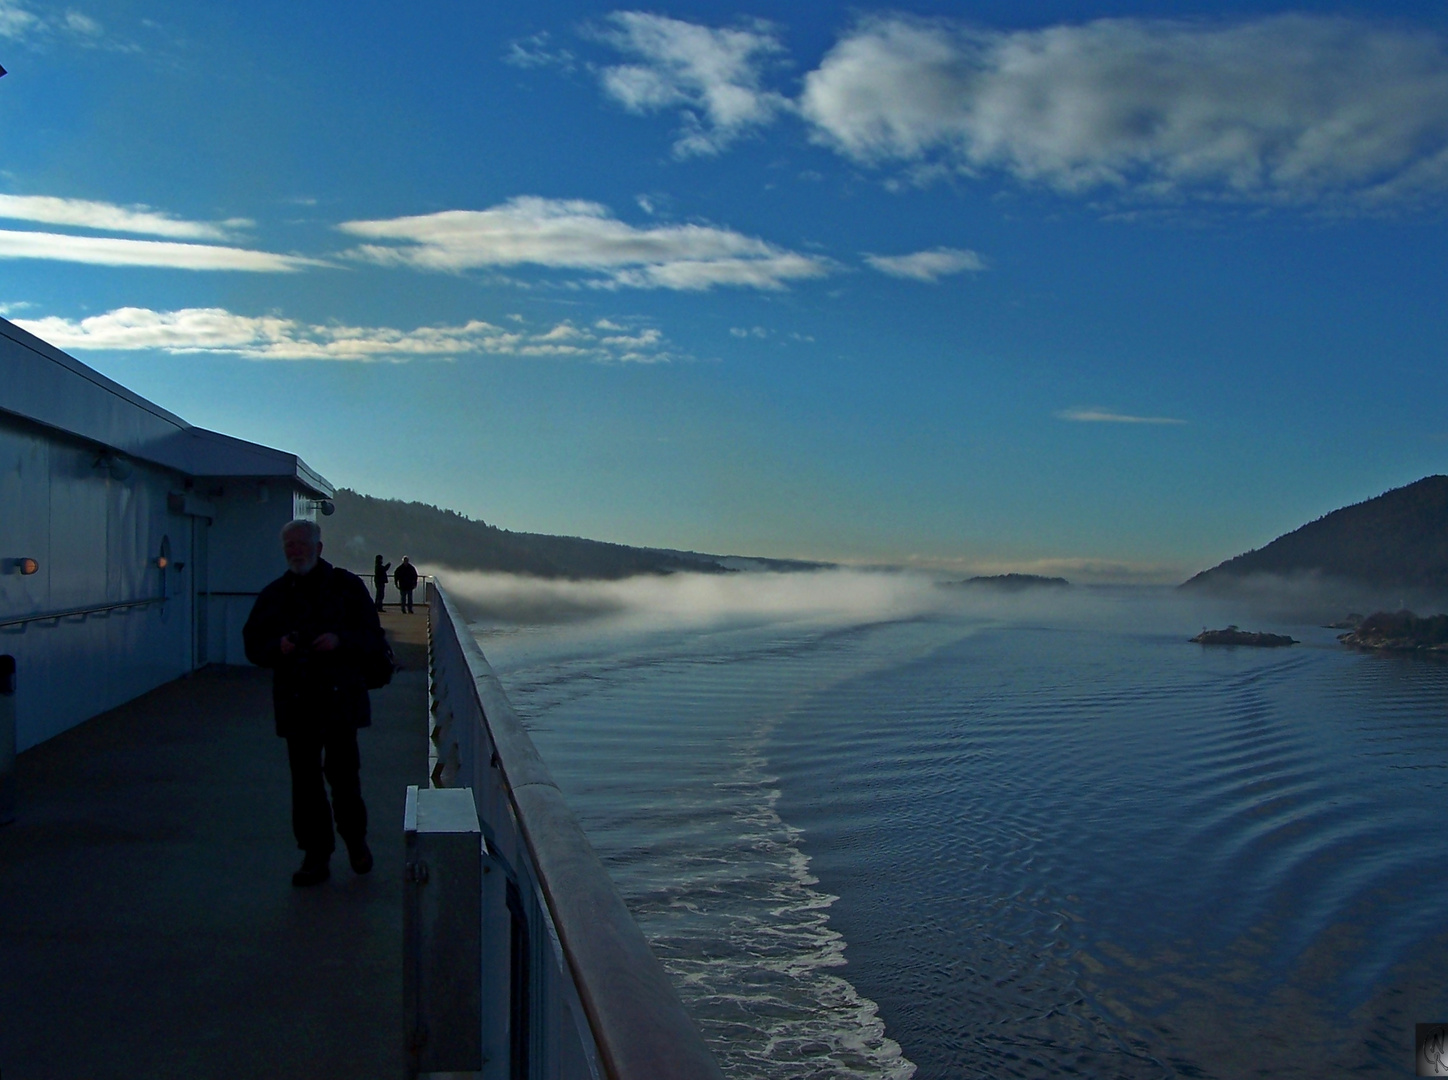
(1398, 540)
(364, 527)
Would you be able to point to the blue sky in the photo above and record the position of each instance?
(1108, 290)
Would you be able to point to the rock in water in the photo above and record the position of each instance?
(1232, 636)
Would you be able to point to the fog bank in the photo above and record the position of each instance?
(844, 596)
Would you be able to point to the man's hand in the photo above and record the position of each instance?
(327, 642)
(289, 644)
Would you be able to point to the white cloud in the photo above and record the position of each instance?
(583, 236)
(18, 22)
(113, 251)
(82, 24)
(86, 214)
(190, 331)
(1104, 416)
(711, 75)
(536, 51)
(927, 265)
(1291, 108)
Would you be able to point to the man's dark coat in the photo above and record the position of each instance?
(405, 576)
(314, 691)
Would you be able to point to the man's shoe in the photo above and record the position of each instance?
(360, 855)
(314, 871)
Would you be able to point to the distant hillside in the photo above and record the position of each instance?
(364, 527)
(1398, 540)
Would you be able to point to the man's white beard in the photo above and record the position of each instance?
(302, 570)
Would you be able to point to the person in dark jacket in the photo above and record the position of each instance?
(313, 626)
(379, 579)
(406, 578)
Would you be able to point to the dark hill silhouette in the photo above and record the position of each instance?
(363, 526)
(1398, 540)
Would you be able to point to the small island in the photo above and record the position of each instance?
(1232, 636)
(1399, 631)
(1012, 582)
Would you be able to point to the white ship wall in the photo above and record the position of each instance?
(95, 482)
(97, 539)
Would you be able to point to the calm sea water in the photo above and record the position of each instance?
(1032, 837)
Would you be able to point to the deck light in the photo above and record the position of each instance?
(21, 566)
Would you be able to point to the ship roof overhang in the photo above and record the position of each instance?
(43, 385)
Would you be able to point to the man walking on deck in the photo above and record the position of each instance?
(406, 578)
(314, 627)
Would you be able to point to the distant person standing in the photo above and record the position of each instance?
(405, 576)
(314, 627)
(379, 579)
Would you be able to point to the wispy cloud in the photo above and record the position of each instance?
(537, 50)
(1103, 416)
(86, 214)
(191, 331)
(16, 21)
(19, 23)
(582, 236)
(927, 266)
(78, 23)
(713, 76)
(115, 251)
(1290, 109)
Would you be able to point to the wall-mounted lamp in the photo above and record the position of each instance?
(163, 560)
(20, 566)
(326, 506)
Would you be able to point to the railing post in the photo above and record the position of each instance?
(442, 932)
(7, 739)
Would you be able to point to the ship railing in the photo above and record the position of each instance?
(566, 984)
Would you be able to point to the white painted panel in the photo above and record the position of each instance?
(77, 555)
(24, 517)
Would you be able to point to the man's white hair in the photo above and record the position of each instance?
(307, 525)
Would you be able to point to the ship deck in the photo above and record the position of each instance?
(148, 925)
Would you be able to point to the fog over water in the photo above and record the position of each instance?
(877, 826)
(836, 596)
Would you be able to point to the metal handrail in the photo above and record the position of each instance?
(96, 610)
(638, 1024)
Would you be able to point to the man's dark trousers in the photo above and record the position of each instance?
(330, 753)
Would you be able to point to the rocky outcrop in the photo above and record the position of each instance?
(1232, 636)
(1399, 631)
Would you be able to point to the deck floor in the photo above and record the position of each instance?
(148, 924)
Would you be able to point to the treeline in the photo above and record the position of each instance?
(1398, 540)
(364, 527)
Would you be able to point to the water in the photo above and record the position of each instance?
(944, 838)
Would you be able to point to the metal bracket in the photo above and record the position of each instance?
(415, 873)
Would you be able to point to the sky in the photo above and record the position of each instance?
(1112, 291)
